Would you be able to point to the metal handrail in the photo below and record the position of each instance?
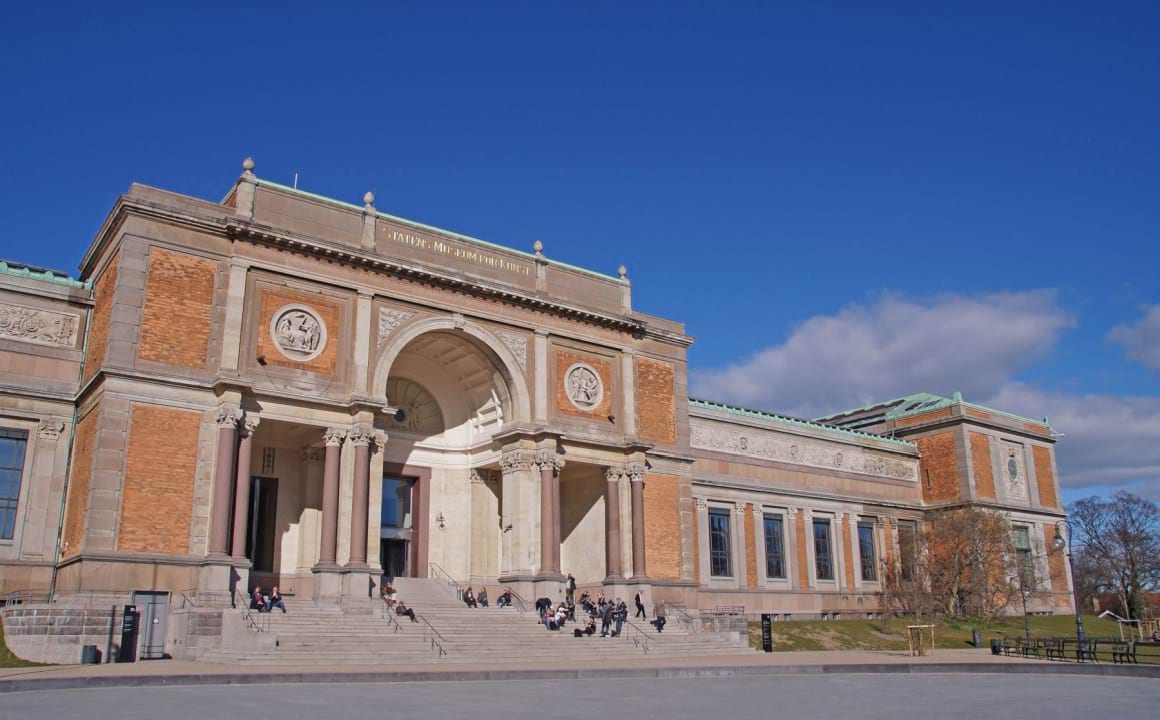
(683, 616)
(523, 607)
(253, 619)
(389, 614)
(641, 641)
(446, 577)
(21, 597)
(429, 628)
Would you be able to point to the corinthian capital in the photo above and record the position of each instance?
(516, 460)
(228, 416)
(362, 434)
(251, 423)
(549, 459)
(635, 471)
(334, 436)
(613, 473)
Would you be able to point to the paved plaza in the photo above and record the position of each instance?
(801, 697)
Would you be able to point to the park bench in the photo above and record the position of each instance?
(1009, 646)
(1124, 652)
(1029, 648)
(1053, 648)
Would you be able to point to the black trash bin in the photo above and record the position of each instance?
(976, 638)
(90, 655)
(996, 646)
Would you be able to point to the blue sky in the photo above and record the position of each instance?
(843, 201)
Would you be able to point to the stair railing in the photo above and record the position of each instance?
(518, 602)
(255, 621)
(640, 639)
(431, 634)
(439, 573)
(388, 614)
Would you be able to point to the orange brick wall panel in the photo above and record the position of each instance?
(655, 407)
(888, 540)
(802, 560)
(981, 460)
(1035, 428)
(977, 414)
(696, 551)
(98, 340)
(178, 313)
(1044, 477)
(848, 553)
(602, 366)
(331, 313)
(78, 486)
(160, 468)
(938, 467)
(662, 527)
(1055, 562)
(750, 549)
(924, 417)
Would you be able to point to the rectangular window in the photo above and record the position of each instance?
(774, 547)
(396, 510)
(823, 558)
(719, 565)
(907, 550)
(1022, 542)
(866, 554)
(12, 446)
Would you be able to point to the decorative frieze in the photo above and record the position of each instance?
(390, 319)
(518, 344)
(756, 444)
(42, 327)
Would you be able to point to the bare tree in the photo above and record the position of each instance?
(1120, 540)
(970, 562)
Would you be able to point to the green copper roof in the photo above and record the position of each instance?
(760, 415)
(33, 272)
(926, 402)
(457, 236)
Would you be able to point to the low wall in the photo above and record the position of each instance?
(57, 634)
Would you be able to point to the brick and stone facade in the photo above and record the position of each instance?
(284, 389)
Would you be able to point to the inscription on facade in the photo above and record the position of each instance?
(444, 248)
(38, 326)
(762, 446)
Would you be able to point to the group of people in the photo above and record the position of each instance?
(471, 600)
(266, 603)
(391, 597)
(611, 613)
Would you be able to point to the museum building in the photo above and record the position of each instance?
(285, 389)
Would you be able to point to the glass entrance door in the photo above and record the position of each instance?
(394, 554)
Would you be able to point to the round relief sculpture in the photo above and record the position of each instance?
(1013, 470)
(583, 387)
(298, 332)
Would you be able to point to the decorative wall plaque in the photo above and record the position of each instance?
(583, 386)
(38, 326)
(770, 445)
(298, 332)
(518, 344)
(1014, 470)
(389, 319)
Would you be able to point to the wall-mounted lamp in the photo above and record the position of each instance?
(507, 528)
(262, 360)
(611, 418)
(439, 519)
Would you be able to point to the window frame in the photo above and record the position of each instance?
(868, 566)
(11, 509)
(720, 535)
(906, 570)
(828, 524)
(779, 518)
(1024, 557)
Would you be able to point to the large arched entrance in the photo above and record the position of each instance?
(449, 388)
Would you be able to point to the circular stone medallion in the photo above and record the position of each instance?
(583, 386)
(298, 332)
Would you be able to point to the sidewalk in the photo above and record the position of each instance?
(174, 672)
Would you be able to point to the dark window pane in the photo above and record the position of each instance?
(12, 444)
(866, 552)
(396, 506)
(774, 547)
(719, 543)
(823, 561)
(907, 547)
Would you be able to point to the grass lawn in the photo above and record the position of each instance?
(891, 634)
(7, 659)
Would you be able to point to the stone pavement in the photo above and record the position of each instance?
(172, 672)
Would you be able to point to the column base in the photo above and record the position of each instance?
(360, 582)
(327, 583)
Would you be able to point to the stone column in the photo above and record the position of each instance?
(242, 488)
(223, 476)
(550, 464)
(703, 542)
(740, 545)
(636, 477)
(362, 436)
(520, 514)
(310, 531)
(328, 546)
(612, 521)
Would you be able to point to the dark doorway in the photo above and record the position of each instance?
(263, 522)
(394, 555)
(153, 608)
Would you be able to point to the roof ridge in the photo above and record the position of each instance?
(763, 415)
(35, 272)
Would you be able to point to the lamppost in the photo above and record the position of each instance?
(1059, 544)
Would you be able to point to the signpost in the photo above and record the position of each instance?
(767, 632)
(129, 629)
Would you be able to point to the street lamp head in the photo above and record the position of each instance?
(1058, 543)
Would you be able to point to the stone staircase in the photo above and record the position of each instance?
(308, 635)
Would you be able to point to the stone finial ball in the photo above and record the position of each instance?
(622, 270)
(369, 198)
(538, 246)
(248, 164)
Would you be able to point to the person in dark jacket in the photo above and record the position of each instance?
(619, 615)
(640, 606)
(605, 619)
(661, 619)
(570, 586)
(258, 601)
(275, 601)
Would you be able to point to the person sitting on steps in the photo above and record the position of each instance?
(469, 598)
(505, 598)
(257, 600)
(276, 601)
(482, 599)
(589, 630)
(402, 609)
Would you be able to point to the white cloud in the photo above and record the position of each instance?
(1141, 341)
(1108, 441)
(892, 348)
(896, 347)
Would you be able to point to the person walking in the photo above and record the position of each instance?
(661, 619)
(605, 619)
(571, 590)
(640, 606)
